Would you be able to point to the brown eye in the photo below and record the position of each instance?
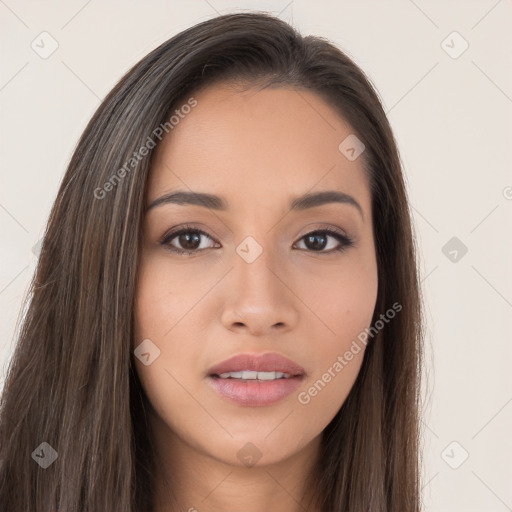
(186, 241)
(317, 241)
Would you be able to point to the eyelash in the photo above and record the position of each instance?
(344, 240)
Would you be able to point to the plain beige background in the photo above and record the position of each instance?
(450, 108)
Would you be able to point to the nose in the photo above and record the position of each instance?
(258, 296)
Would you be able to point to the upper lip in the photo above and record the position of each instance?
(268, 362)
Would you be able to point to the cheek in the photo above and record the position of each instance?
(166, 299)
(162, 301)
(164, 296)
(345, 305)
(161, 305)
(341, 300)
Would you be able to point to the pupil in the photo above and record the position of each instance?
(314, 245)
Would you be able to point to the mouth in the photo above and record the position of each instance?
(256, 380)
(249, 375)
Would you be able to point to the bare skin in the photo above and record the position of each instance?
(259, 150)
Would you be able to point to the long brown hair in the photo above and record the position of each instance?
(71, 382)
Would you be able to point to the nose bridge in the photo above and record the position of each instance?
(256, 262)
(258, 296)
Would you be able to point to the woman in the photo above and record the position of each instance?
(226, 310)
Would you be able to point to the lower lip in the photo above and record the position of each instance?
(254, 393)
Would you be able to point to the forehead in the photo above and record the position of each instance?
(247, 144)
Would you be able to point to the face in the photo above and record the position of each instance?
(262, 277)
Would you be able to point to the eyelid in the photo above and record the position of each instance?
(312, 228)
(173, 233)
(185, 228)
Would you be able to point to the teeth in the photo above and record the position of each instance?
(251, 375)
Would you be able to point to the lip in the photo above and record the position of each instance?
(268, 362)
(256, 393)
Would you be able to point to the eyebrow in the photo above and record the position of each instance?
(214, 202)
